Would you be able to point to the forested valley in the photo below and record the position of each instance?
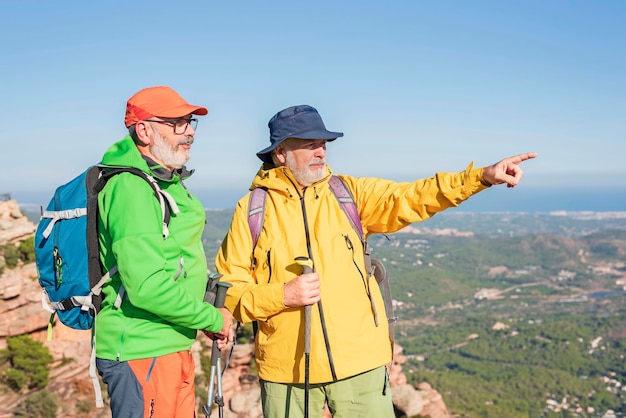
(508, 314)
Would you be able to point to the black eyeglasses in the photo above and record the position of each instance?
(179, 125)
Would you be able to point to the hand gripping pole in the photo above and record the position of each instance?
(215, 395)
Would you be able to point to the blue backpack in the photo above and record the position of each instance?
(66, 246)
(67, 252)
(256, 214)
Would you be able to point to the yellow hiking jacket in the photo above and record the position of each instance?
(299, 223)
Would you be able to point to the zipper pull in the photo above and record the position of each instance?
(58, 267)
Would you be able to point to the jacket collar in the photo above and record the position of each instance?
(163, 173)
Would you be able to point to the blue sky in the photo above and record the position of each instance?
(416, 86)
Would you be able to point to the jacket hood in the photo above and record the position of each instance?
(124, 153)
(281, 180)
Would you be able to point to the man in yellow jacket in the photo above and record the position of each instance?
(349, 346)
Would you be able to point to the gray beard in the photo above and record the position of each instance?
(169, 155)
(305, 176)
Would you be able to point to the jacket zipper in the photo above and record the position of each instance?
(269, 265)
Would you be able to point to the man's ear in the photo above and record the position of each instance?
(144, 132)
(281, 154)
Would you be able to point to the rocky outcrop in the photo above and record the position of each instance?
(21, 312)
(14, 226)
(422, 400)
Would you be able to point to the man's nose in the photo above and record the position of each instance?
(320, 151)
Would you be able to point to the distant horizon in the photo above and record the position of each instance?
(498, 199)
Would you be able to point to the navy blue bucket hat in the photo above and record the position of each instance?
(302, 122)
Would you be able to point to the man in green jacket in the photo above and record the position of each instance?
(153, 306)
(349, 340)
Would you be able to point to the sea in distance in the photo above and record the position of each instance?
(496, 199)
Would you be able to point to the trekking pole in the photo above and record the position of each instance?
(216, 362)
(307, 267)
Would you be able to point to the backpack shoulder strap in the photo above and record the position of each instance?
(346, 201)
(256, 212)
(167, 202)
(256, 215)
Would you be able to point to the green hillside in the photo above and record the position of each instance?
(551, 298)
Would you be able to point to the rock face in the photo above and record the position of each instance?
(21, 313)
(14, 226)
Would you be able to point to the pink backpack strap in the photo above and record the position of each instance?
(256, 212)
(346, 201)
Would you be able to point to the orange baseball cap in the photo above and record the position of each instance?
(159, 101)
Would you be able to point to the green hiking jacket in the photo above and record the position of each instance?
(164, 279)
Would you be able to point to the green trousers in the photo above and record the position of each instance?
(365, 395)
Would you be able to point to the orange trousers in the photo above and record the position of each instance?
(159, 387)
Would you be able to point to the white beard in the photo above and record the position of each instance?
(170, 156)
(304, 176)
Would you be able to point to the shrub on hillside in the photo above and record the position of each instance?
(15, 379)
(28, 361)
(41, 404)
(11, 255)
(245, 334)
(26, 250)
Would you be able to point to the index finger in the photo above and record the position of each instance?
(310, 277)
(522, 157)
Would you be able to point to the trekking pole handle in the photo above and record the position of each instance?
(220, 298)
(306, 263)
